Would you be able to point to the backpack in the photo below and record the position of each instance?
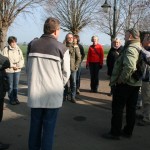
(140, 66)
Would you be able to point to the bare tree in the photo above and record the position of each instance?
(134, 13)
(105, 21)
(130, 13)
(9, 10)
(144, 23)
(74, 15)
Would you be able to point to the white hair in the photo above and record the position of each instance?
(117, 39)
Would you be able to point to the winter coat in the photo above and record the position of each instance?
(111, 58)
(48, 70)
(15, 57)
(4, 63)
(95, 57)
(75, 57)
(125, 65)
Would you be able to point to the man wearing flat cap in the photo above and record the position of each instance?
(126, 87)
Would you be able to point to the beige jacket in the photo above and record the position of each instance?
(15, 57)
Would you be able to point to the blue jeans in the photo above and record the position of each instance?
(73, 84)
(42, 125)
(13, 83)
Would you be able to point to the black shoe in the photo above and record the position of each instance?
(109, 94)
(17, 101)
(138, 107)
(139, 116)
(111, 136)
(65, 98)
(95, 91)
(123, 134)
(78, 91)
(4, 146)
(143, 123)
(92, 90)
(13, 103)
(73, 100)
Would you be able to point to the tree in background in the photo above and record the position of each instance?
(129, 13)
(104, 21)
(10, 9)
(74, 15)
(135, 13)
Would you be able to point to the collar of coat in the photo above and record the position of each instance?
(71, 47)
(49, 36)
(131, 42)
(69, 44)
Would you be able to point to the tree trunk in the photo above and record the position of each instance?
(112, 38)
(75, 32)
(3, 36)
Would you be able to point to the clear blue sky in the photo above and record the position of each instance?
(29, 27)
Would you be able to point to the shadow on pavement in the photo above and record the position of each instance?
(23, 91)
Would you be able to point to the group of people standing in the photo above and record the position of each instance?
(50, 67)
(72, 43)
(124, 86)
(94, 62)
(64, 61)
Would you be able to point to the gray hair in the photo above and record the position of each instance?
(134, 32)
(94, 36)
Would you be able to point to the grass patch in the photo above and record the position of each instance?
(106, 49)
(24, 49)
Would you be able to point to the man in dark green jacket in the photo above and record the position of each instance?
(126, 87)
(4, 63)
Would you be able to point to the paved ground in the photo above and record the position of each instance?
(79, 127)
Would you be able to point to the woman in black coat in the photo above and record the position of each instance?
(112, 57)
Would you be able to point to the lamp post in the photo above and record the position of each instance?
(106, 7)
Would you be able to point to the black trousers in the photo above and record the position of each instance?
(124, 95)
(94, 73)
(1, 109)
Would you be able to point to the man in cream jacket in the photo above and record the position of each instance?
(48, 70)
